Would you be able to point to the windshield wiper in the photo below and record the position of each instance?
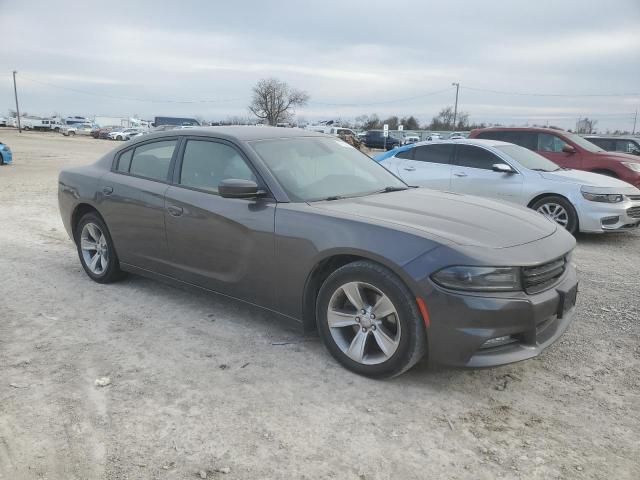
(333, 197)
(392, 189)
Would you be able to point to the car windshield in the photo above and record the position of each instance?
(316, 168)
(583, 142)
(527, 158)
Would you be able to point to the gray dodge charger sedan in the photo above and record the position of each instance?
(304, 225)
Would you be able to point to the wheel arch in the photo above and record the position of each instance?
(606, 171)
(80, 211)
(325, 267)
(555, 194)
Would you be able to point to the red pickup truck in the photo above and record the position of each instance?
(567, 150)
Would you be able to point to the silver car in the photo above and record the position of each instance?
(577, 200)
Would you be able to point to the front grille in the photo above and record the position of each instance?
(634, 212)
(539, 278)
(633, 197)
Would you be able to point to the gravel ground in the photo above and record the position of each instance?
(203, 387)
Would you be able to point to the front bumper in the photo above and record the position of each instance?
(462, 323)
(607, 217)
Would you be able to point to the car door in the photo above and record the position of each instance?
(131, 200)
(550, 146)
(473, 174)
(429, 166)
(222, 244)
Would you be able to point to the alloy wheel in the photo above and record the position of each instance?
(95, 250)
(555, 212)
(363, 323)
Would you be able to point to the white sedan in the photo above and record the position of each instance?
(123, 134)
(577, 200)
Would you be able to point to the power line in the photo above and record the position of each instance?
(134, 99)
(397, 100)
(524, 94)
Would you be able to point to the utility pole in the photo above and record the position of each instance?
(455, 108)
(635, 119)
(15, 92)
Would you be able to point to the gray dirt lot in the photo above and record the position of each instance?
(199, 385)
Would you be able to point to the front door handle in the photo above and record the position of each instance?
(107, 190)
(460, 174)
(175, 211)
(410, 169)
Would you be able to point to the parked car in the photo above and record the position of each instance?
(123, 133)
(376, 139)
(3, 122)
(568, 150)
(410, 138)
(578, 201)
(6, 156)
(457, 136)
(433, 137)
(103, 132)
(77, 129)
(306, 226)
(629, 145)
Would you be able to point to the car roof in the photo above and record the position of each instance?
(522, 129)
(238, 133)
(465, 141)
(614, 137)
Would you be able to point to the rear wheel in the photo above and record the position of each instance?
(96, 251)
(558, 209)
(369, 321)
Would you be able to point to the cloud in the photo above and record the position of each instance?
(358, 55)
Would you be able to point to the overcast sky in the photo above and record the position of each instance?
(352, 57)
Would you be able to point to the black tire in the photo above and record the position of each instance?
(112, 271)
(72, 132)
(1, 160)
(572, 216)
(119, 137)
(412, 342)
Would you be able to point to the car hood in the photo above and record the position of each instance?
(461, 219)
(619, 156)
(594, 181)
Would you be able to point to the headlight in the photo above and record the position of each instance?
(632, 166)
(493, 279)
(603, 197)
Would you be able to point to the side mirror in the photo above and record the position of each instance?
(237, 188)
(502, 168)
(568, 149)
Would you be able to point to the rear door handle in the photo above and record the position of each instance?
(107, 190)
(410, 169)
(460, 174)
(174, 210)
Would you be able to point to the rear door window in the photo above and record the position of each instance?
(152, 160)
(475, 157)
(523, 138)
(439, 153)
(124, 162)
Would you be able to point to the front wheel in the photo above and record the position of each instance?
(369, 321)
(558, 209)
(119, 137)
(96, 251)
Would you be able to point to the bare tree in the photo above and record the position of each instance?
(586, 125)
(275, 101)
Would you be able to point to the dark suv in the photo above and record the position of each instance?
(616, 144)
(568, 150)
(375, 139)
